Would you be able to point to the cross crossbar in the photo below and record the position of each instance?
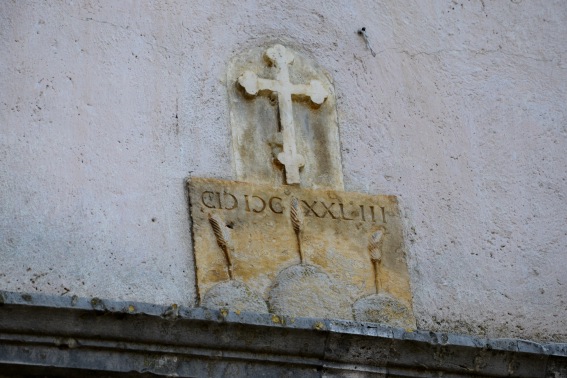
(285, 89)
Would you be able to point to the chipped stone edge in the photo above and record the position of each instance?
(327, 340)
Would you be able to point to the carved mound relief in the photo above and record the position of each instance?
(306, 291)
(235, 296)
(383, 309)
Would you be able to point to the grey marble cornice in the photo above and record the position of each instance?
(68, 336)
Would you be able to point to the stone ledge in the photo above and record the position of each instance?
(60, 335)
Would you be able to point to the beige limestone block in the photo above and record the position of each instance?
(305, 252)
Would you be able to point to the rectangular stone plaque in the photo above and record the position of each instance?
(300, 252)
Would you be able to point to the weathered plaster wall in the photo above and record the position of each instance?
(106, 107)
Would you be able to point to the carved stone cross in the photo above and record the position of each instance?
(285, 89)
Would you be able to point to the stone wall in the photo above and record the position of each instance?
(107, 107)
